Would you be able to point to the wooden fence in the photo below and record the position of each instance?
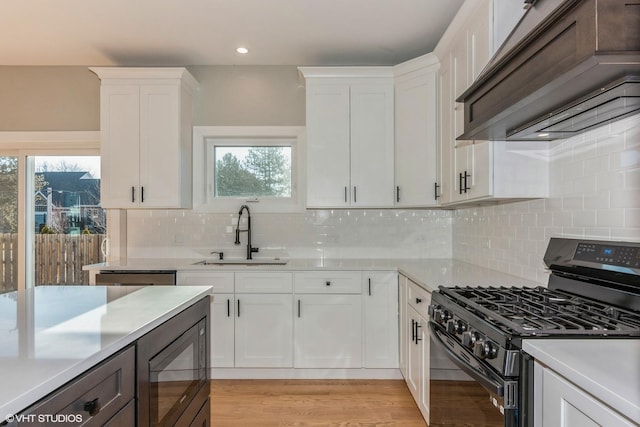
(58, 259)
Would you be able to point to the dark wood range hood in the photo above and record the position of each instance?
(569, 66)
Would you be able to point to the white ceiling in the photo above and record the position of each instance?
(207, 32)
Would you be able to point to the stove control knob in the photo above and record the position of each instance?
(469, 338)
(485, 349)
(456, 327)
(442, 316)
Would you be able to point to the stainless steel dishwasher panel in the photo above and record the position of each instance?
(136, 278)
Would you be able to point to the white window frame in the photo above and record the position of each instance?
(28, 144)
(204, 141)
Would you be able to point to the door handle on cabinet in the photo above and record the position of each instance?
(355, 194)
(398, 194)
(435, 190)
(413, 330)
(228, 307)
(418, 339)
(369, 286)
(298, 308)
(238, 308)
(133, 194)
(141, 194)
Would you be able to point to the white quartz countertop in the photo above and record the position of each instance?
(429, 273)
(51, 334)
(608, 369)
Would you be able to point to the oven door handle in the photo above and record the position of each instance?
(489, 381)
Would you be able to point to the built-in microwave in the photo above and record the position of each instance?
(173, 370)
(176, 374)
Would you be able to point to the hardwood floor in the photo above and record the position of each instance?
(267, 403)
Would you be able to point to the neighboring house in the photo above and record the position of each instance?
(69, 202)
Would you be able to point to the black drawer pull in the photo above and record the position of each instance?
(418, 300)
(328, 283)
(92, 407)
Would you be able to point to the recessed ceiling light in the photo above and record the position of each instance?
(242, 50)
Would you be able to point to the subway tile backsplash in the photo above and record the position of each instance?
(384, 233)
(595, 193)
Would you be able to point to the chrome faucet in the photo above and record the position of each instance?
(250, 249)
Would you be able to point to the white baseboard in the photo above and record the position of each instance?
(304, 374)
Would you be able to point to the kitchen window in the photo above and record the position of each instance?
(255, 164)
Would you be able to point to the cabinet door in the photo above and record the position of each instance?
(415, 141)
(414, 354)
(328, 133)
(372, 145)
(446, 139)
(263, 331)
(481, 180)
(380, 296)
(328, 331)
(404, 333)
(119, 147)
(222, 331)
(159, 146)
(463, 171)
(566, 405)
(460, 82)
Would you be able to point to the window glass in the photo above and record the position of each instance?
(8, 224)
(252, 171)
(69, 224)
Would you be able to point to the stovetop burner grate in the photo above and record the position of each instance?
(542, 311)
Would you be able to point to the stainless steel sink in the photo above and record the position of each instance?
(243, 261)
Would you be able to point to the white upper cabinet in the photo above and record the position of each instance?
(416, 132)
(477, 171)
(145, 147)
(350, 133)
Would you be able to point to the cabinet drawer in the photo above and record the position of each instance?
(221, 281)
(328, 282)
(419, 299)
(110, 386)
(264, 282)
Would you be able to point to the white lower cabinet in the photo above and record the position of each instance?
(222, 331)
(415, 342)
(308, 319)
(263, 331)
(380, 302)
(563, 404)
(328, 331)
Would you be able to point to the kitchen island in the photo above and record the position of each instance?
(51, 335)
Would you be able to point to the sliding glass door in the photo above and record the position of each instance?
(8, 223)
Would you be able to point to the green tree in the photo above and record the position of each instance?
(271, 168)
(232, 179)
(8, 194)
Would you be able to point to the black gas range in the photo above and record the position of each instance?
(593, 291)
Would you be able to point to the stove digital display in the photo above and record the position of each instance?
(620, 256)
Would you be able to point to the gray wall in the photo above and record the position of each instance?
(68, 98)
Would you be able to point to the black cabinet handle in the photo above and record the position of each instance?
(355, 194)
(460, 183)
(466, 186)
(413, 330)
(228, 307)
(238, 308)
(435, 190)
(398, 194)
(369, 286)
(345, 194)
(328, 283)
(141, 194)
(418, 300)
(92, 407)
(133, 194)
(298, 308)
(418, 339)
